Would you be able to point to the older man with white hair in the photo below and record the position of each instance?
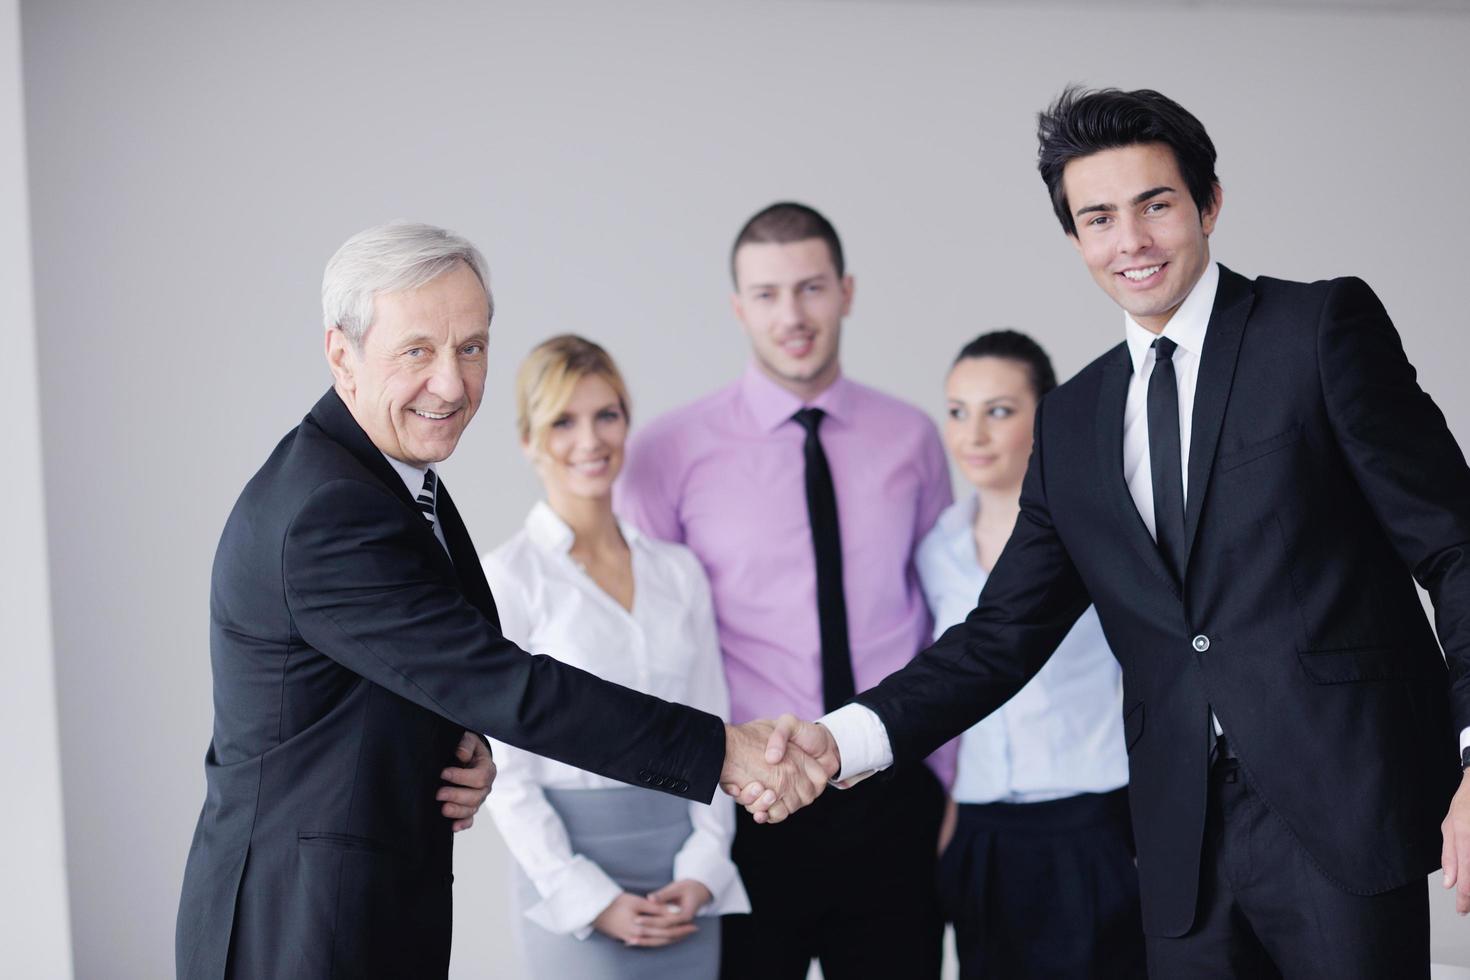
(354, 640)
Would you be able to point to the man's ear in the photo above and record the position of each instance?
(849, 287)
(341, 359)
(1211, 213)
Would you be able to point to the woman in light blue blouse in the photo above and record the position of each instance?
(1039, 877)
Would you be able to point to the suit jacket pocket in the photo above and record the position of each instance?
(1239, 457)
(348, 842)
(1350, 664)
(345, 921)
(1133, 725)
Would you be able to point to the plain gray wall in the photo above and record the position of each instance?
(35, 939)
(194, 164)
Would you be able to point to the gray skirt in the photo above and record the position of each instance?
(633, 835)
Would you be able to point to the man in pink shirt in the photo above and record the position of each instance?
(805, 495)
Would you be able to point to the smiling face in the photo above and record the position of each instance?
(419, 377)
(1138, 229)
(989, 416)
(791, 302)
(581, 451)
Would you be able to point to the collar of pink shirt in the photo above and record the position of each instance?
(771, 405)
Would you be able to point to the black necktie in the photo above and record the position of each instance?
(426, 497)
(1165, 457)
(821, 506)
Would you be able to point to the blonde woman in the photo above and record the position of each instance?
(614, 881)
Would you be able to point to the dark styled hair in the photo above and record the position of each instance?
(1012, 345)
(785, 222)
(1081, 122)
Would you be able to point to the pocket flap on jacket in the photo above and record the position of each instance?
(346, 842)
(1350, 664)
(1239, 457)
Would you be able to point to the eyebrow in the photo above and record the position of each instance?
(427, 340)
(989, 401)
(1137, 200)
(819, 277)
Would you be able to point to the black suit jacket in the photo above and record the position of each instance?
(349, 653)
(1320, 477)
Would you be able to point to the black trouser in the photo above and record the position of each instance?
(848, 881)
(1044, 890)
(1265, 910)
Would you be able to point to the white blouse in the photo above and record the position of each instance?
(1063, 733)
(667, 647)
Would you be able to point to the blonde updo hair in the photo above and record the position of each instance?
(550, 373)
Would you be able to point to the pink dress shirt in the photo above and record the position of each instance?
(725, 476)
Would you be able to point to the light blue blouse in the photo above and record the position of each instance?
(1063, 733)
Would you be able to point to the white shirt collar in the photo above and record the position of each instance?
(412, 476)
(1186, 327)
(547, 530)
(959, 517)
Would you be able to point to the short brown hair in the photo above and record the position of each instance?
(549, 374)
(785, 222)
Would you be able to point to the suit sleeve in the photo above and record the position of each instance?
(937, 494)
(1406, 462)
(1031, 600)
(364, 589)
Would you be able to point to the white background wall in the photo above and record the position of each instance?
(193, 164)
(35, 939)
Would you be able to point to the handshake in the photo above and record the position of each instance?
(775, 768)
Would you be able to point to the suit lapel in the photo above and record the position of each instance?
(332, 417)
(1233, 299)
(1112, 397)
(466, 563)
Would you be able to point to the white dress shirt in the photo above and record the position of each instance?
(666, 647)
(1063, 733)
(1187, 328)
(413, 478)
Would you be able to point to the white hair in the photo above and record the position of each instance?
(388, 259)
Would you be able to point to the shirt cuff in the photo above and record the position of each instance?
(862, 743)
(1464, 740)
(575, 901)
(702, 860)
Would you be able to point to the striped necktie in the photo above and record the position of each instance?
(426, 497)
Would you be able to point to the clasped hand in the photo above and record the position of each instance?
(775, 768)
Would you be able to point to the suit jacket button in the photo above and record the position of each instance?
(681, 787)
(1201, 643)
(645, 775)
(660, 780)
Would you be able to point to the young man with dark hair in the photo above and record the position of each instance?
(1247, 489)
(805, 495)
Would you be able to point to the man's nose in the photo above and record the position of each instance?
(1133, 235)
(788, 309)
(447, 382)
